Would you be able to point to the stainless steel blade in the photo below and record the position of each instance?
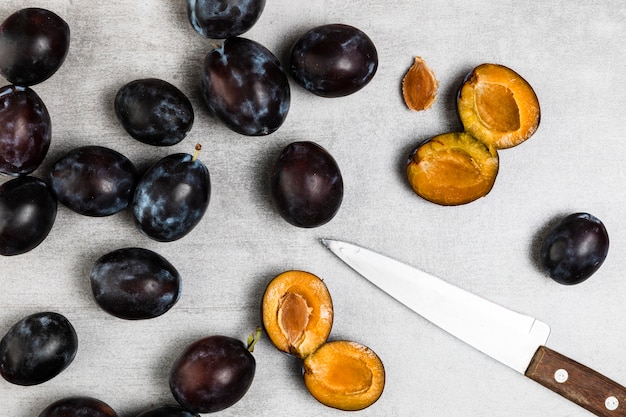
(503, 334)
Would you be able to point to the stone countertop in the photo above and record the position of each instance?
(571, 53)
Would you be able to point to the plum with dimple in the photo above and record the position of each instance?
(37, 348)
(245, 86)
(154, 111)
(135, 283)
(172, 197)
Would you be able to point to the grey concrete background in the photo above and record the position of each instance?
(573, 55)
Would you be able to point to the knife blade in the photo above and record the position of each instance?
(514, 339)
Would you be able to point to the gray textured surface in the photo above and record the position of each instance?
(572, 54)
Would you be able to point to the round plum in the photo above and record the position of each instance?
(333, 60)
(28, 210)
(25, 130)
(575, 248)
(220, 19)
(135, 283)
(33, 45)
(306, 185)
(168, 411)
(154, 111)
(172, 197)
(78, 407)
(212, 374)
(94, 181)
(245, 86)
(37, 348)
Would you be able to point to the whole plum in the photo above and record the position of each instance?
(78, 407)
(168, 411)
(28, 210)
(220, 19)
(172, 197)
(135, 283)
(154, 111)
(575, 248)
(306, 185)
(212, 374)
(33, 45)
(333, 60)
(37, 348)
(25, 130)
(94, 180)
(245, 86)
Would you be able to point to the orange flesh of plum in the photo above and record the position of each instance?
(453, 169)
(497, 106)
(344, 375)
(419, 86)
(297, 312)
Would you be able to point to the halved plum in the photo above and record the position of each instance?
(497, 106)
(452, 169)
(297, 312)
(345, 375)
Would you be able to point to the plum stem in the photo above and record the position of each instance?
(197, 152)
(253, 338)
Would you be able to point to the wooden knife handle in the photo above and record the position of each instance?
(578, 383)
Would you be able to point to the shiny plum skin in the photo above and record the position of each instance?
(575, 248)
(28, 210)
(78, 407)
(306, 185)
(94, 181)
(246, 88)
(168, 411)
(135, 283)
(212, 374)
(33, 45)
(171, 197)
(25, 130)
(37, 348)
(154, 111)
(333, 60)
(220, 19)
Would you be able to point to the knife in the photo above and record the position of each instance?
(513, 339)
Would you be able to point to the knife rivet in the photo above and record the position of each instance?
(561, 376)
(611, 403)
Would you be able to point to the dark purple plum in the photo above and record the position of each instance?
(37, 348)
(575, 248)
(28, 209)
(25, 130)
(212, 374)
(220, 19)
(245, 86)
(171, 197)
(154, 111)
(33, 45)
(94, 181)
(306, 185)
(333, 60)
(168, 411)
(78, 407)
(135, 283)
